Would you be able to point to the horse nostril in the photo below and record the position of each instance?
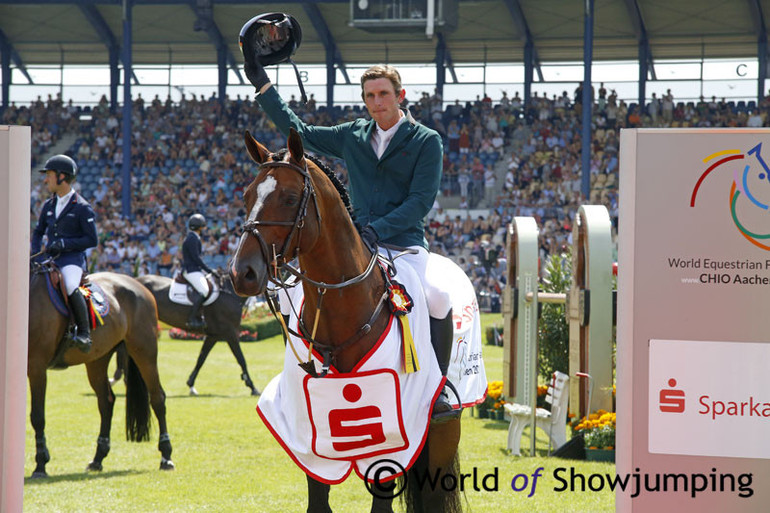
(250, 275)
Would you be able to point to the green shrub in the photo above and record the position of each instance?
(553, 328)
(265, 327)
(494, 336)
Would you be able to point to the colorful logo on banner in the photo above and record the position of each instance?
(749, 197)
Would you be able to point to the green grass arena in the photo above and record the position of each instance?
(227, 461)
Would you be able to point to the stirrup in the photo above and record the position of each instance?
(82, 343)
(196, 324)
(450, 414)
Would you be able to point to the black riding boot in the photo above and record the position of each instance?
(82, 337)
(195, 321)
(442, 336)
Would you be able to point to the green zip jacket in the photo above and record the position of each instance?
(394, 193)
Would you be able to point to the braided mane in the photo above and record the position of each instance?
(330, 174)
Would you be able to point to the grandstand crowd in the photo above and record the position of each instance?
(501, 159)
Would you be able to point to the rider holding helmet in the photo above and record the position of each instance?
(192, 269)
(68, 222)
(394, 163)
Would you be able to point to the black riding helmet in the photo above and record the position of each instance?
(196, 221)
(61, 164)
(270, 38)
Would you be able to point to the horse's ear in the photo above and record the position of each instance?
(295, 146)
(259, 153)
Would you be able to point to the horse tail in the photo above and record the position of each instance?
(137, 404)
(426, 489)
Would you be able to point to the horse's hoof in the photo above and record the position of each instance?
(38, 474)
(94, 467)
(193, 391)
(167, 464)
(254, 391)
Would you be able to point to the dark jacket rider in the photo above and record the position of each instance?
(192, 269)
(68, 222)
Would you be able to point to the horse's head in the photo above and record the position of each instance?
(282, 214)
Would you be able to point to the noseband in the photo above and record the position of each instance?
(277, 259)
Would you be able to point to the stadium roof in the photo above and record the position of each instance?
(39, 32)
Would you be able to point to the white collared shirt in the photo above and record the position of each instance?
(381, 138)
(61, 202)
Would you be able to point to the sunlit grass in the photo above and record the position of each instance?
(227, 461)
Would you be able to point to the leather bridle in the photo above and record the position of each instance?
(251, 227)
(279, 262)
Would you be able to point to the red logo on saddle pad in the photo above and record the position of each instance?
(355, 415)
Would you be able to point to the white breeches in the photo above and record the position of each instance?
(72, 275)
(198, 280)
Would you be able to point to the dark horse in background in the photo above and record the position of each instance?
(307, 217)
(132, 320)
(223, 321)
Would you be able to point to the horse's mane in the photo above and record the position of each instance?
(330, 174)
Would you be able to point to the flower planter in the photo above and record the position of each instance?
(600, 455)
(483, 413)
(499, 414)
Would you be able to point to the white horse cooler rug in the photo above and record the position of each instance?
(342, 422)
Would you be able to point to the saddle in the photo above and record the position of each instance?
(96, 301)
(181, 290)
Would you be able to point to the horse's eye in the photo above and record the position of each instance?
(291, 200)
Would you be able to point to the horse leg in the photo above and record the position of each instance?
(97, 377)
(120, 363)
(437, 459)
(38, 381)
(382, 501)
(145, 355)
(235, 347)
(317, 496)
(208, 344)
(443, 440)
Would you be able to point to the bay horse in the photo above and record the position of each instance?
(133, 320)
(299, 209)
(223, 321)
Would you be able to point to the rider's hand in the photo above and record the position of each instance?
(256, 74)
(55, 248)
(370, 238)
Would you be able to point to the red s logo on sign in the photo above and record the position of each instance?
(671, 399)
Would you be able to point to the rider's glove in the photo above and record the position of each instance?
(256, 74)
(370, 238)
(55, 248)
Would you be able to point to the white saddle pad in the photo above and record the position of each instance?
(177, 292)
(466, 368)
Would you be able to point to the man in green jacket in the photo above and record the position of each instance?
(394, 169)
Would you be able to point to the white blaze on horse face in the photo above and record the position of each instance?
(263, 191)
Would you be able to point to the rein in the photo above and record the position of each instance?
(278, 262)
